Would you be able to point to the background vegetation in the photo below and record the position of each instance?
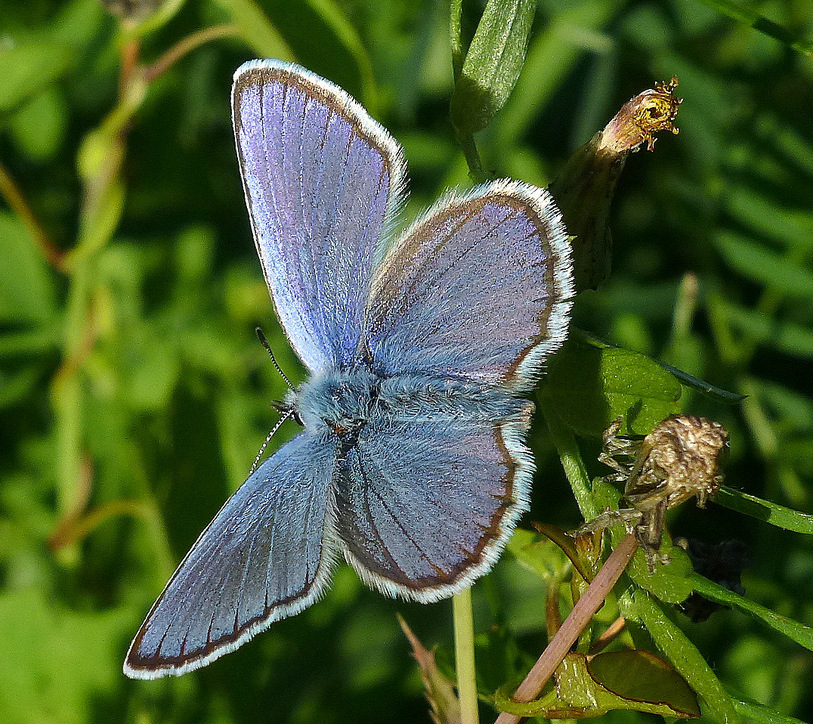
(134, 395)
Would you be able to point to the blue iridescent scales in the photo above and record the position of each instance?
(412, 463)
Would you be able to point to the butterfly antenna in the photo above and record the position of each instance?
(264, 343)
(268, 437)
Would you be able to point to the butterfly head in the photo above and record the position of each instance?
(341, 402)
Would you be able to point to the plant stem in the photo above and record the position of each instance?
(179, 50)
(475, 164)
(464, 657)
(572, 462)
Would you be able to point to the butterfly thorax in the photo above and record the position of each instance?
(344, 401)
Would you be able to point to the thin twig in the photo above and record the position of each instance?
(611, 633)
(573, 625)
(78, 528)
(129, 60)
(16, 201)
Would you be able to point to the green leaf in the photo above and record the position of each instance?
(684, 656)
(670, 583)
(28, 67)
(765, 267)
(801, 634)
(706, 388)
(498, 657)
(492, 65)
(257, 30)
(456, 36)
(590, 386)
(538, 554)
(642, 676)
(26, 284)
(551, 58)
(756, 713)
(765, 510)
(626, 680)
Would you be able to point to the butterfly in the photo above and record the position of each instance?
(412, 462)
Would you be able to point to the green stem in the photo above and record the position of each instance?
(188, 44)
(472, 155)
(685, 308)
(455, 37)
(66, 392)
(685, 657)
(464, 657)
(572, 462)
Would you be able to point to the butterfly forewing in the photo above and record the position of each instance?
(320, 178)
(478, 289)
(266, 555)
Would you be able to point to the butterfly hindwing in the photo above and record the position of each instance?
(425, 507)
(266, 555)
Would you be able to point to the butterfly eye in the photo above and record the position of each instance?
(286, 410)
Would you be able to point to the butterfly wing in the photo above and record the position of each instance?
(266, 555)
(425, 507)
(478, 289)
(320, 179)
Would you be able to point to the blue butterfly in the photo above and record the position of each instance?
(412, 463)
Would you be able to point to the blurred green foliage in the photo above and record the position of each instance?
(134, 396)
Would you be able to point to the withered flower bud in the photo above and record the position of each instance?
(681, 458)
(585, 186)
